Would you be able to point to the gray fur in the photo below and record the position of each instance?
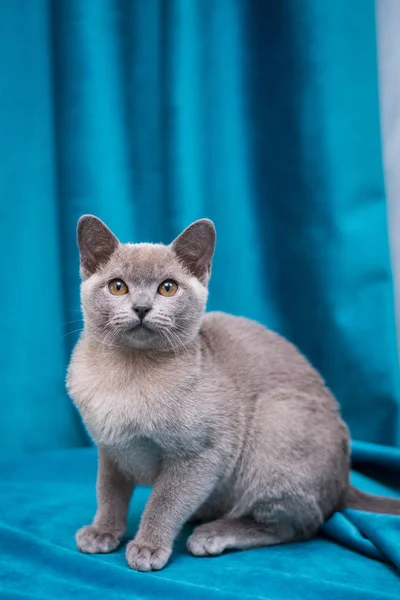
(227, 420)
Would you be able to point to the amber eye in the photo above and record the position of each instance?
(168, 288)
(118, 287)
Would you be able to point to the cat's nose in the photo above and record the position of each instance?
(142, 311)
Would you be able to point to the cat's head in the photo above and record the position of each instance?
(144, 296)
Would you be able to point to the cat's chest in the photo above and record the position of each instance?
(118, 410)
(123, 401)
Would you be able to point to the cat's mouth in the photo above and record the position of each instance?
(139, 327)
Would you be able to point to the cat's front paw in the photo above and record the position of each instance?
(91, 540)
(146, 557)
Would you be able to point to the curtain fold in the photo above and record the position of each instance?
(388, 19)
(150, 114)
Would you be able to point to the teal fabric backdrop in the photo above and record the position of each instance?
(152, 113)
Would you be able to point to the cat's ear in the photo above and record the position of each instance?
(96, 244)
(195, 248)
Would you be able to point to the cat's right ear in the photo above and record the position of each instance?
(96, 244)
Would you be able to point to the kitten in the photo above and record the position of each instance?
(227, 420)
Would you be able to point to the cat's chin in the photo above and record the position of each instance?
(139, 335)
(146, 339)
(142, 337)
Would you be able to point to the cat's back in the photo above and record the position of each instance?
(257, 358)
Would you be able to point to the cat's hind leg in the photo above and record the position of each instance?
(211, 539)
(267, 526)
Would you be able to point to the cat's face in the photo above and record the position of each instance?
(144, 296)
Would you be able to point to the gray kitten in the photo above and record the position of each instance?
(227, 420)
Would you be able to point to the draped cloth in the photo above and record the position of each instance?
(150, 114)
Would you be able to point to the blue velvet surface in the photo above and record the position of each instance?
(45, 497)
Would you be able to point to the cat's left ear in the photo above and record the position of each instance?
(96, 244)
(195, 248)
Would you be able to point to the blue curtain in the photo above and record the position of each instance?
(152, 113)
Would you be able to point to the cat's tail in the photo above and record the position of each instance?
(356, 498)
